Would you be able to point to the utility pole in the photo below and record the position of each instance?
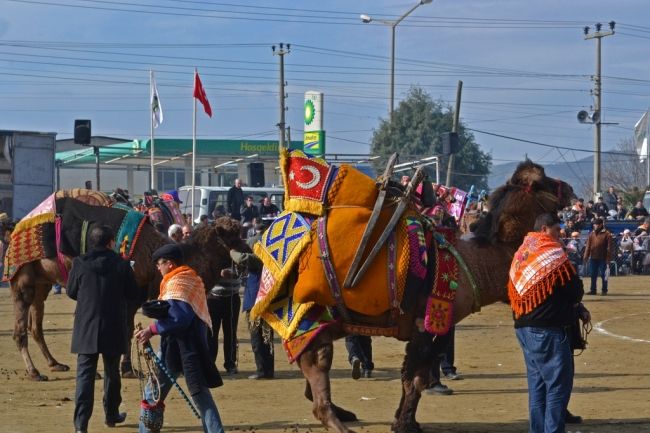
(454, 129)
(598, 35)
(281, 53)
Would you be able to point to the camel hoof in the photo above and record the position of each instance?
(345, 415)
(413, 427)
(59, 367)
(37, 377)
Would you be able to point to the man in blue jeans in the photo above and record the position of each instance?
(598, 252)
(544, 291)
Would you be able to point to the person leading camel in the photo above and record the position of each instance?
(101, 282)
(184, 336)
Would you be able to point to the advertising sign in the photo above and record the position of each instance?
(314, 138)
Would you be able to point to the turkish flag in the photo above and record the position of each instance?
(199, 93)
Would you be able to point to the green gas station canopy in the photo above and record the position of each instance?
(173, 147)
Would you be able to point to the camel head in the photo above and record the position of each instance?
(515, 205)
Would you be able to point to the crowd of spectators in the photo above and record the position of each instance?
(631, 246)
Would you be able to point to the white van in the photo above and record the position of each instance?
(206, 198)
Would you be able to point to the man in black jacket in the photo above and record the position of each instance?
(101, 282)
(544, 292)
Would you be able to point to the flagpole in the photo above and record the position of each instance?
(647, 149)
(152, 140)
(193, 147)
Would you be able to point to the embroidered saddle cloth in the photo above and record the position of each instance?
(351, 199)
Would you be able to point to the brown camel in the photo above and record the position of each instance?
(513, 209)
(207, 252)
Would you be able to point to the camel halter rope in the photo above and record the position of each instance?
(154, 364)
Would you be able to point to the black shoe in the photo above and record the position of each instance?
(366, 373)
(232, 371)
(590, 293)
(604, 294)
(439, 389)
(356, 368)
(570, 418)
(121, 417)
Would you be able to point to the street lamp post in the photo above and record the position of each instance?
(392, 24)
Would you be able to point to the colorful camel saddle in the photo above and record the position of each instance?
(58, 227)
(308, 250)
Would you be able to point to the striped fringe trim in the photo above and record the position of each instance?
(538, 293)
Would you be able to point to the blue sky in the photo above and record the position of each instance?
(525, 66)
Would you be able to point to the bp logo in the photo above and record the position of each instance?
(310, 112)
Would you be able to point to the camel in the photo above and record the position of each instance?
(513, 209)
(207, 251)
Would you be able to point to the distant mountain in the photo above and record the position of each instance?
(578, 174)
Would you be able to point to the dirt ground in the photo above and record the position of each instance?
(612, 384)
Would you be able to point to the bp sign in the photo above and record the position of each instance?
(314, 138)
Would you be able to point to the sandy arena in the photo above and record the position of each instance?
(611, 391)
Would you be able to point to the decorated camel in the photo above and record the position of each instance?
(44, 243)
(353, 256)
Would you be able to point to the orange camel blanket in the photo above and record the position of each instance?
(538, 264)
(351, 199)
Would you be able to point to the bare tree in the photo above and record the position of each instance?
(623, 171)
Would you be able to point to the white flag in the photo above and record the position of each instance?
(156, 107)
(641, 137)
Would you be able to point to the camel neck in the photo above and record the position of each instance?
(489, 265)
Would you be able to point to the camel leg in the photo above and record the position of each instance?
(36, 312)
(415, 378)
(315, 364)
(126, 367)
(342, 414)
(23, 295)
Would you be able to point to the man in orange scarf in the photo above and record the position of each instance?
(184, 336)
(544, 289)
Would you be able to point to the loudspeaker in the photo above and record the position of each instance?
(82, 132)
(256, 174)
(450, 143)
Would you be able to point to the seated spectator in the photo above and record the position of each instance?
(638, 211)
(268, 209)
(645, 227)
(589, 211)
(579, 209)
(621, 211)
(625, 250)
(601, 209)
(574, 249)
(640, 249)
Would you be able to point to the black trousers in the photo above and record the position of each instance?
(360, 346)
(446, 360)
(85, 393)
(224, 312)
(262, 351)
